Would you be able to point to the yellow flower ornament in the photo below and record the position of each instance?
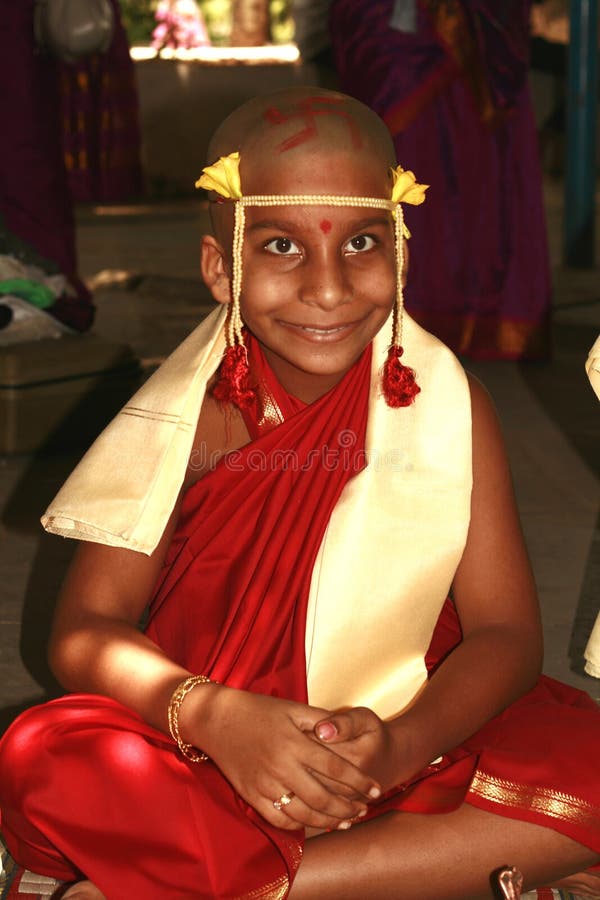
(223, 177)
(405, 188)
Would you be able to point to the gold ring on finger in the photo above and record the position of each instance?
(284, 800)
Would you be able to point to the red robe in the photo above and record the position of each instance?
(86, 787)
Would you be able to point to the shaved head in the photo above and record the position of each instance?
(285, 137)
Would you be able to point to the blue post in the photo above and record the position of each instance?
(582, 106)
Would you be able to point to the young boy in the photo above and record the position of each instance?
(296, 508)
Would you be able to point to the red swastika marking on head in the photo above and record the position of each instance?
(307, 110)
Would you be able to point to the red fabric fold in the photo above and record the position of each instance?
(248, 536)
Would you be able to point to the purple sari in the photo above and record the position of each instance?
(100, 123)
(455, 97)
(35, 205)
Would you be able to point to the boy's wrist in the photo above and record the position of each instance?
(412, 751)
(197, 712)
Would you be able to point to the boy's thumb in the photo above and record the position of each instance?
(326, 731)
(346, 725)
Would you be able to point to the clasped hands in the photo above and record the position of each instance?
(300, 766)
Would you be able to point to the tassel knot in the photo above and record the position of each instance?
(399, 385)
(233, 384)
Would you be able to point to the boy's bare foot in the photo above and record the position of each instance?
(84, 890)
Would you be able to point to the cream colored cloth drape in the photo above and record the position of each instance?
(125, 487)
(592, 650)
(394, 540)
(392, 545)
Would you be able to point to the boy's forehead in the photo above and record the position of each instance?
(319, 170)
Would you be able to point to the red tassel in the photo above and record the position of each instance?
(399, 385)
(233, 384)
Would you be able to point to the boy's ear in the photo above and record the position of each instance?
(213, 266)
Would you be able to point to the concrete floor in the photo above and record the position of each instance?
(143, 263)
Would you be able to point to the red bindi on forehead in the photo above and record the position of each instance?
(325, 226)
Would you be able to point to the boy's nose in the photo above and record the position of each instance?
(324, 282)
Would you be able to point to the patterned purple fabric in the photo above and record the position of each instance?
(36, 215)
(100, 123)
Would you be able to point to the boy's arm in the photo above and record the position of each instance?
(96, 645)
(500, 656)
(262, 744)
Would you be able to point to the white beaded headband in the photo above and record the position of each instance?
(223, 178)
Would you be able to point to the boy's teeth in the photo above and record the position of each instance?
(322, 330)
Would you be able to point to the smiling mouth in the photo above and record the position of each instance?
(321, 331)
(313, 329)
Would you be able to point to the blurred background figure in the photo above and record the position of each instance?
(37, 235)
(100, 123)
(449, 78)
(71, 135)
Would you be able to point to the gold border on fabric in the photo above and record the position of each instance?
(274, 890)
(295, 851)
(544, 801)
(270, 414)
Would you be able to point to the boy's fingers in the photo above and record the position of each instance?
(313, 806)
(338, 787)
(338, 769)
(344, 726)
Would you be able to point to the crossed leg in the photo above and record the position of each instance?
(433, 857)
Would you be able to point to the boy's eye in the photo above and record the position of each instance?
(282, 246)
(360, 243)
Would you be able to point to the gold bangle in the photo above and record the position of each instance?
(177, 698)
